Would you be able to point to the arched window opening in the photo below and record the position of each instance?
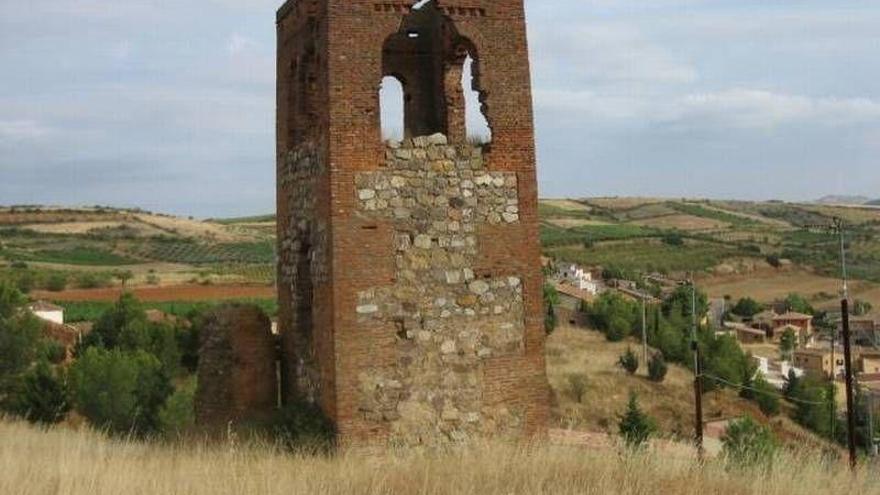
(391, 109)
(427, 54)
(477, 127)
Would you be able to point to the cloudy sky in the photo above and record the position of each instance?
(169, 104)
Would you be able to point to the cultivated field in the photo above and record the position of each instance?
(65, 462)
(165, 293)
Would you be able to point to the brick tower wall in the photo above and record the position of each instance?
(426, 317)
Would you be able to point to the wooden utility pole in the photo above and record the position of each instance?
(698, 386)
(850, 409)
(644, 329)
(847, 347)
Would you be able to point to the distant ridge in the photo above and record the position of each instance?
(845, 200)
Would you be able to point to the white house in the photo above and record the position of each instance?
(580, 278)
(48, 312)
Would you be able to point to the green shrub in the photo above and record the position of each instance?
(629, 361)
(303, 426)
(747, 307)
(56, 282)
(42, 395)
(764, 395)
(618, 329)
(635, 426)
(178, 414)
(657, 367)
(577, 384)
(120, 392)
(747, 443)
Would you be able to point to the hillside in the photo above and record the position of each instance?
(572, 351)
(725, 244)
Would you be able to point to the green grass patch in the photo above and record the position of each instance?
(552, 236)
(235, 220)
(91, 311)
(647, 256)
(78, 255)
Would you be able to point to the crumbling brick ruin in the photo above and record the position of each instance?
(237, 368)
(410, 286)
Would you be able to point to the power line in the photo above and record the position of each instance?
(774, 394)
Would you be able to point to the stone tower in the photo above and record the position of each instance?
(409, 272)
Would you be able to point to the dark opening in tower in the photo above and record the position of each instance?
(431, 61)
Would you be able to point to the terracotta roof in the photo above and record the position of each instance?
(44, 306)
(574, 292)
(792, 316)
(813, 352)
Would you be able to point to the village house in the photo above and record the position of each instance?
(579, 278)
(792, 320)
(869, 361)
(815, 361)
(47, 312)
(745, 334)
(571, 300)
(863, 330)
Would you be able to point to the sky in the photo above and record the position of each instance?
(168, 105)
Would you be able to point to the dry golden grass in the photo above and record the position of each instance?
(768, 284)
(67, 462)
(566, 204)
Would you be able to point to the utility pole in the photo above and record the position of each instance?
(872, 445)
(850, 411)
(698, 386)
(840, 227)
(644, 327)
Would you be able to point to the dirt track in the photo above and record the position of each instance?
(160, 294)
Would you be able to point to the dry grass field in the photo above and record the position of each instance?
(164, 293)
(767, 285)
(67, 462)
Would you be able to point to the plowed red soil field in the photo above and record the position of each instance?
(160, 294)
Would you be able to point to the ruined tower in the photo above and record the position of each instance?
(409, 279)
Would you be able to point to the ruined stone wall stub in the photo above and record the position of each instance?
(236, 375)
(474, 371)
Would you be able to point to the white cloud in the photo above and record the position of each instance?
(239, 44)
(21, 130)
(739, 108)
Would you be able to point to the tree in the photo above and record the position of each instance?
(787, 343)
(681, 299)
(629, 362)
(747, 307)
(577, 383)
(635, 426)
(861, 308)
(20, 340)
(551, 300)
(657, 367)
(123, 276)
(747, 443)
(550, 319)
(798, 304)
(118, 391)
(42, 395)
(127, 316)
